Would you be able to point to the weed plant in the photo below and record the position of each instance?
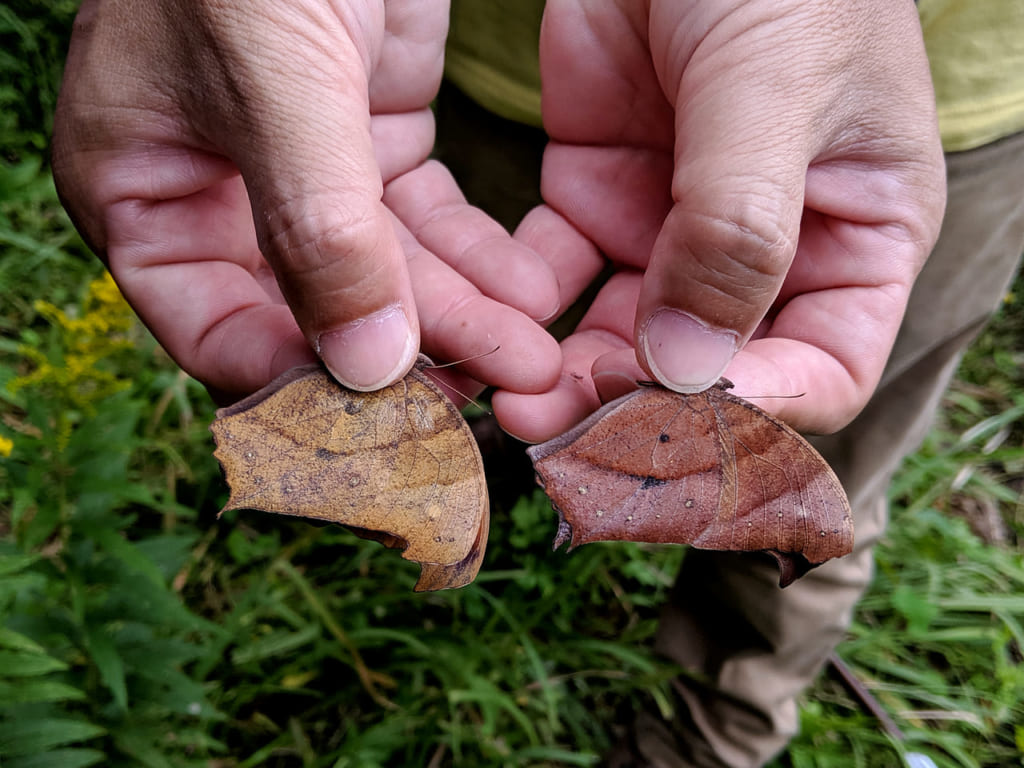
(137, 629)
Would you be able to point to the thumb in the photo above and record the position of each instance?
(716, 267)
(297, 126)
(743, 142)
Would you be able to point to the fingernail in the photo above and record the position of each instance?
(685, 354)
(369, 353)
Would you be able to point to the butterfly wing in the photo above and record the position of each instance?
(709, 470)
(399, 465)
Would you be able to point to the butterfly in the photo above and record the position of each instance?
(708, 469)
(398, 465)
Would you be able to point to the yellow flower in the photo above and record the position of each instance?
(6, 446)
(78, 374)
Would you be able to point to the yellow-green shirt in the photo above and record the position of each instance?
(976, 52)
(492, 55)
(975, 47)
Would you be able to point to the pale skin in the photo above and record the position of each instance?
(256, 177)
(767, 173)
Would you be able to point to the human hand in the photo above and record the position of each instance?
(769, 176)
(255, 176)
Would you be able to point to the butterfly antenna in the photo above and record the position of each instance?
(463, 360)
(469, 400)
(774, 397)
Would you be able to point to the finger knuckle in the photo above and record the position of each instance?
(322, 237)
(743, 244)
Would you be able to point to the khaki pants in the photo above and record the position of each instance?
(751, 647)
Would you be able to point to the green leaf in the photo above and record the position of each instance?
(143, 747)
(174, 691)
(984, 603)
(108, 661)
(18, 175)
(275, 644)
(11, 564)
(168, 552)
(145, 602)
(18, 642)
(915, 608)
(113, 543)
(18, 664)
(58, 758)
(547, 755)
(31, 736)
(42, 525)
(35, 691)
(491, 700)
(20, 586)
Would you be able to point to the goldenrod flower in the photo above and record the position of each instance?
(75, 375)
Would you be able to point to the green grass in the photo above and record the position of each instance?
(137, 629)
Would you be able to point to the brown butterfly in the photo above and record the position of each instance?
(709, 469)
(399, 465)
